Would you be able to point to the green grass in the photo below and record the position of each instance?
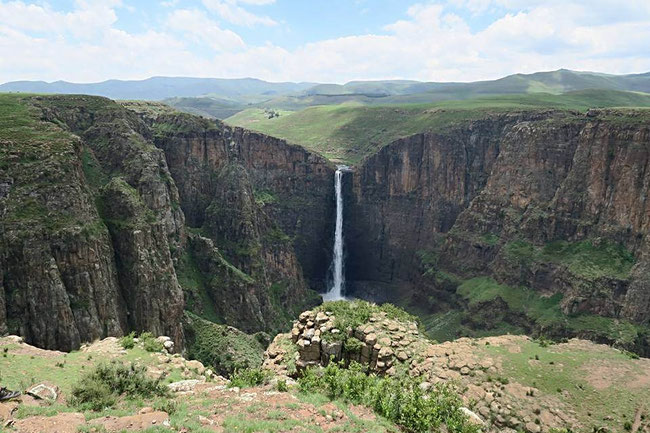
(190, 278)
(567, 371)
(18, 371)
(93, 171)
(244, 424)
(221, 348)
(41, 159)
(351, 314)
(545, 315)
(350, 132)
(590, 259)
(543, 310)
(399, 399)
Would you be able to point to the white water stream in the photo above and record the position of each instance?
(337, 286)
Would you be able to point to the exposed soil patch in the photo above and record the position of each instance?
(602, 374)
(141, 421)
(61, 423)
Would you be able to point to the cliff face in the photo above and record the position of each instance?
(242, 186)
(555, 202)
(60, 285)
(93, 232)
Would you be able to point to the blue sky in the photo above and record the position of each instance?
(319, 40)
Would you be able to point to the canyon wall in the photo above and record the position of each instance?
(113, 219)
(530, 199)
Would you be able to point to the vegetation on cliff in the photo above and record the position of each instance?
(222, 348)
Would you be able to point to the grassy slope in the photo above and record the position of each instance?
(348, 132)
(568, 372)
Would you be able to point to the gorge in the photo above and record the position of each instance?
(118, 217)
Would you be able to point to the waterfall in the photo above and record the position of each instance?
(337, 285)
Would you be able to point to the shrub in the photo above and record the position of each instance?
(128, 341)
(352, 345)
(220, 347)
(150, 343)
(351, 314)
(100, 388)
(544, 341)
(281, 386)
(248, 377)
(630, 355)
(399, 399)
(166, 405)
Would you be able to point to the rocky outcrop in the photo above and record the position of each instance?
(467, 196)
(236, 296)
(383, 344)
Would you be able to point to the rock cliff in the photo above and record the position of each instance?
(94, 228)
(550, 201)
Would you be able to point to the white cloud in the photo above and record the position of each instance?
(87, 20)
(257, 2)
(230, 11)
(196, 25)
(431, 43)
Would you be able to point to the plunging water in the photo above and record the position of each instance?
(337, 286)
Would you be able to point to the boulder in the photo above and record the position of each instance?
(183, 385)
(195, 365)
(473, 418)
(44, 392)
(531, 427)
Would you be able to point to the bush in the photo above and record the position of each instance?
(150, 343)
(221, 348)
(352, 345)
(128, 341)
(399, 399)
(281, 386)
(544, 341)
(249, 377)
(166, 405)
(101, 387)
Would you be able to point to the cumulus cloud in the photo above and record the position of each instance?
(434, 41)
(231, 11)
(197, 26)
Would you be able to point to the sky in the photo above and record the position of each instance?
(332, 41)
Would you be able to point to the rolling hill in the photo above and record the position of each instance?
(221, 98)
(348, 132)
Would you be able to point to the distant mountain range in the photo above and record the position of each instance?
(222, 98)
(159, 88)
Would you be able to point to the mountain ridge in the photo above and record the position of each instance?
(251, 89)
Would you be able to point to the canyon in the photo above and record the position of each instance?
(117, 217)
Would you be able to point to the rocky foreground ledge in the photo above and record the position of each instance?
(507, 383)
(197, 399)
